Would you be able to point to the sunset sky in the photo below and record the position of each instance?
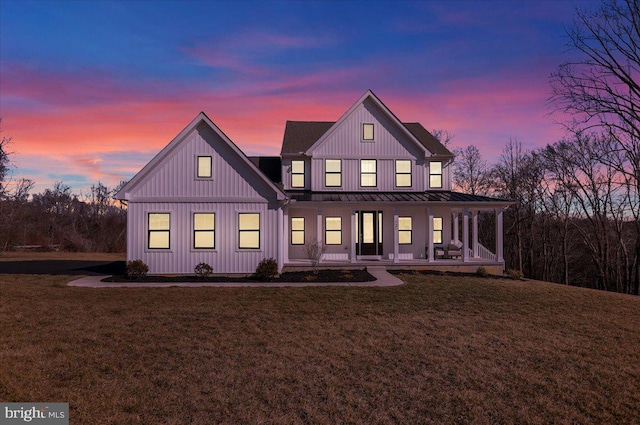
(92, 90)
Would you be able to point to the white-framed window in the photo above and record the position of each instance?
(159, 230)
(333, 172)
(204, 167)
(368, 172)
(403, 173)
(204, 230)
(297, 173)
(297, 230)
(249, 230)
(405, 230)
(367, 131)
(333, 230)
(437, 229)
(435, 174)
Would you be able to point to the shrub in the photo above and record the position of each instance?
(203, 270)
(137, 269)
(482, 271)
(267, 269)
(515, 274)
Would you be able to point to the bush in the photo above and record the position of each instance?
(267, 269)
(137, 269)
(515, 274)
(203, 270)
(482, 271)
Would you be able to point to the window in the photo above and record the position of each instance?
(249, 230)
(333, 172)
(368, 176)
(435, 174)
(159, 229)
(403, 173)
(367, 131)
(404, 230)
(297, 230)
(297, 173)
(204, 230)
(204, 167)
(333, 230)
(437, 229)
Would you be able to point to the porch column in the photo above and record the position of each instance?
(353, 236)
(319, 234)
(456, 229)
(465, 236)
(430, 252)
(475, 234)
(283, 236)
(499, 236)
(396, 250)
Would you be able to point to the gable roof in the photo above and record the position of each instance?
(123, 193)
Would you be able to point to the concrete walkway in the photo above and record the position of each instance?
(383, 278)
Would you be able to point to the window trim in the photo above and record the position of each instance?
(373, 132)
(375, 174)
(326, 231)
(297, 231)
(437, 231)
(327, 173)
(196, 231)
(298, 174)
(259, 230)
(150, 231)
(198, 176)
(404, 231)
(410, 173)
(432, 174)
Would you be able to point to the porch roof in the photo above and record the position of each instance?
(439, 196)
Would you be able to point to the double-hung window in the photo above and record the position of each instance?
(204, 166)
(367, 131)
(249, 230)
(297, 230)
(437, 229)
(297, 173)
(435, 174)
(204, 230)
(403, 173)
(333, 230)
(405, 228)
(368, 173)
(333, 172)
(159, 230)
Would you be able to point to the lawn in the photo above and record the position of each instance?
(437, 350)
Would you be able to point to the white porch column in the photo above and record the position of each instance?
(319, 233)
(465, 236)
(283, 238)
(353, 237)
(475, 234)
(396, 248)
(499, 236)
(430, 252)
(456, 229)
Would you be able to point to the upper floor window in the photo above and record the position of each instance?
(403, 173)
(249, 230)
(204, 230)
(368, 172)
(204, 167)
(435, 174)
(159, 225)
(297, 173)
(367, 131)
(405, 228)
(297, 230)
(437, 229)
(333, 172)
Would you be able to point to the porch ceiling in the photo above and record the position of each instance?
(429, 197)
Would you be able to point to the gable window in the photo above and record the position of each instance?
(435, 174)
(159, 230)
(204, 230)
(297, 230)
(297, 173)
(403, 173)
(367, 131)
(437, 229)
(204, 167)
(333, 230)
(249, 230)
(368, 172)
(405, 230)
(333, 172)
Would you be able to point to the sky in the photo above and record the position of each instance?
(91, 90)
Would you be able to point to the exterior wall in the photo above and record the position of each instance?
(182, 257)
(286, 173)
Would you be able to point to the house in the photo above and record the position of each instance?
(368, 187)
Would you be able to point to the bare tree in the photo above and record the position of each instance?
(314, 250)
(471, 172)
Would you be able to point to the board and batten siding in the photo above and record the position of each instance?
(181, 257)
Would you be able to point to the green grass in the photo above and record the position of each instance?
(437, 350)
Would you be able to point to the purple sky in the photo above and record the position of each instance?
(93, 90)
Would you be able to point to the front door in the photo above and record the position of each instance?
(369, 233)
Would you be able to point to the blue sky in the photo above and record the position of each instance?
(91, 90)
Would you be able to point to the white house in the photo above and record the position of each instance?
(368, 187)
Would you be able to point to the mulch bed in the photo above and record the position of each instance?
(324, 275)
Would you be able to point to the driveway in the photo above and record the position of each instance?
(67, 267)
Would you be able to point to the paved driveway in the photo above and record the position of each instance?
(70, 267)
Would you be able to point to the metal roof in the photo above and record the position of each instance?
(443, 196)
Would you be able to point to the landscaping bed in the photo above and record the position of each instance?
(325, 275)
